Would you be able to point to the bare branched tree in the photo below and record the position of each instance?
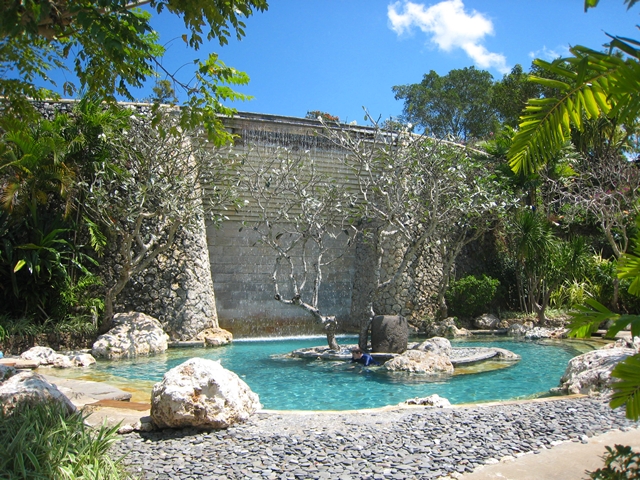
(303, 217)
(410, 190)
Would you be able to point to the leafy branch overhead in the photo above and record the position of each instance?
(113, 49)
(591, 84)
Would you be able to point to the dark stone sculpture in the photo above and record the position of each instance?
(389, 334)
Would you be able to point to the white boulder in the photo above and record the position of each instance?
(42, 355)
(591, 372)
(417, 361)
(487, 322)
(32, 388)
(201, 393)
(436, 345)
(537, 333)
(215, 337)
(133, 335)
(82, 359)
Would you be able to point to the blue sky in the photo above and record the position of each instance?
(340, 55)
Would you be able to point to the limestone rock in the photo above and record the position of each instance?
(63, 361)
(42, 355)
(134, 334)
(389, 334)
(436, 345)
(507, 355)
(434, 400)
(487, 322)
(417, 361)
(626, 342)
(201, 393)
(537, 333)
(517, 330)
(591, 371)
(32, 388)
(82, 359)
(215, 337)
(448, 328)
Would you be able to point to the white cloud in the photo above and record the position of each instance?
(448, 26)
(550, 54)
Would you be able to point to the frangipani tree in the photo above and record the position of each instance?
(303, 217)
(415, 191)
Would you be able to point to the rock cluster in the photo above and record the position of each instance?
(201, 393)
(434, 400)
(447, 328)
(133, 334)
(45, 356)
(591, 372)
(417, 361)
(407, 443)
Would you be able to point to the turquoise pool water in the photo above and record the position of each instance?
(300, 384)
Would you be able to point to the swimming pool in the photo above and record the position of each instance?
(284, 383)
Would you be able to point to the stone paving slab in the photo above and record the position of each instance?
(567, 461)
(82, 392)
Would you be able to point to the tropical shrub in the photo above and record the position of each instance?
(620, 463)
(471, 296)
(45, 441)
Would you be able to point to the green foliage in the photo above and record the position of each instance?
(113, 48)
(457, 104)
(590, 85)
(45, 441)
(471, 296)
(620, 463)
(572, 292)
(627, 388)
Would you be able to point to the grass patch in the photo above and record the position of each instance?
(46, 442)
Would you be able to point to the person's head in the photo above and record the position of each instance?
(356, 352)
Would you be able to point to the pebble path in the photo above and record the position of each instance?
(417, 443)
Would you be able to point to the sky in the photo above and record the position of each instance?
(339, 56)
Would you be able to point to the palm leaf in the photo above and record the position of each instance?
(586, 319)
(595, 84)
(626, 391)
(622, 323)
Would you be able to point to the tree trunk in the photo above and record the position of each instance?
(363, 337)
(331, 326)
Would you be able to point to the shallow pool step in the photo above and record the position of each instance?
(138, 406)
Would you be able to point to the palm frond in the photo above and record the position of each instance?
(626, 391)
(586, 319)
(593, 84)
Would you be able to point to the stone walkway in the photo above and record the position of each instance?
(550, 439)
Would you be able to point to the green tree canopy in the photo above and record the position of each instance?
(457, 104)
(113, 49)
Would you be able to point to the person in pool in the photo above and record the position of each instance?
(364, 358)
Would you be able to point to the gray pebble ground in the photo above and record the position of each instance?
(415, 443)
